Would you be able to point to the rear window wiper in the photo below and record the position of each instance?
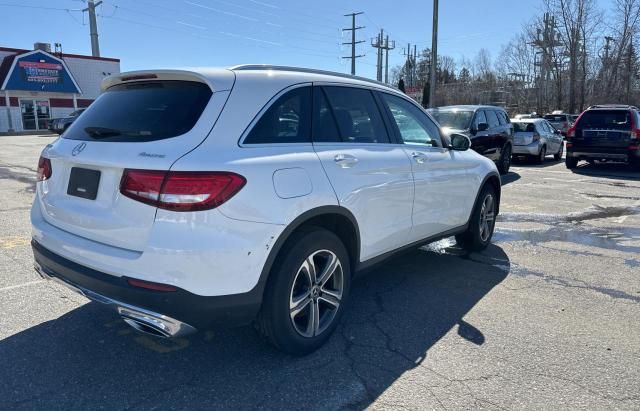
(102, 132)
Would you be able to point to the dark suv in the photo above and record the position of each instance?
(605, 133)
(488, 127)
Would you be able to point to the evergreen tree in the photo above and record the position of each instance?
(425, 95)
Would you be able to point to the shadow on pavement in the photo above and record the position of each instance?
(531, 162)
(510, 177)
(618, 171)
(88, 358)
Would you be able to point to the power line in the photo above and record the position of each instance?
(353, 41)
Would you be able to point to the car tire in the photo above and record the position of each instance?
(300, 332)
(541, 155)
(482, 221)
(558, 155)
(504, 163)
(571, 162)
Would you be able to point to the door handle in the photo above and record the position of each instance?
(345, 160)
(420, 158)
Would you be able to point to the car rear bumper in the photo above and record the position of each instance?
(532, 149)
(598, 153)
(167, 314)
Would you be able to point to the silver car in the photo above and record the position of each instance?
(536, 138)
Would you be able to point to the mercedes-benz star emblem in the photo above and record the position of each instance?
(78, 149)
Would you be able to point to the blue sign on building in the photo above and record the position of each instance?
(40, 71)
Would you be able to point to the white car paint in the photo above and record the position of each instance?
(395, 199)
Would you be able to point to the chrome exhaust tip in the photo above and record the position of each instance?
(154, 324)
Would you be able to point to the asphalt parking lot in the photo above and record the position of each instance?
(546, 318)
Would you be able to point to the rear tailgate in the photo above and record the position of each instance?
(145, 124)
(604, 128)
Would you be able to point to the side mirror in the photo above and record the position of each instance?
(459, 142)
(483, 126)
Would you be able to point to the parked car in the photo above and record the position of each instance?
(59, 125)
(605, 133)
(560, 121)
(488, 127)
(522, 116)
(537, 138)
(184, 199)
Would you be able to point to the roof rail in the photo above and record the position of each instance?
(613, 106)
(306, 70)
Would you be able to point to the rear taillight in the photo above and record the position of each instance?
(181, 190)
(44, 169)
(571, 133)
(151, 286)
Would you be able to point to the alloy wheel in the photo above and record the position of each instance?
(506, 159)
(487, 217)
(316, 293)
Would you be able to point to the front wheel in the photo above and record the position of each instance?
(505, 160)
(482, 222)
(306, 292)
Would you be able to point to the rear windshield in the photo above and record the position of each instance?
(555, 119)
(523, 127)
(457, 120)
(605, 120)
(144, 111)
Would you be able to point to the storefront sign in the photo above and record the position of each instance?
(40, 71)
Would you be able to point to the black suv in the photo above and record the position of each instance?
(605, 133)
(488, 127)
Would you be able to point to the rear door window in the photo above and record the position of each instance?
(287, 121)
(605, 120)
(502, 117)
(492, 118)
(325, 129)
(356, 114)
(143, 111)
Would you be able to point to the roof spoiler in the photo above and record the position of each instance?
(146, 75)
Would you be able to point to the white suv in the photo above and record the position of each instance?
(186, 199)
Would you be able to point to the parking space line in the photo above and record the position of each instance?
(12, 287)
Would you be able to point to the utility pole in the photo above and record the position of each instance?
(378, 44)
(629, 71)
(409, 65)
(434, 55)
(387, 47)
(353, 41)
(93, 26)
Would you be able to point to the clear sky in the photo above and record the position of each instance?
(174, 33)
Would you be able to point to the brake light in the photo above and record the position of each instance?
(571, 133)
(181, 190)
(44, 169)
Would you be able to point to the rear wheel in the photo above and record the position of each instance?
(482, 222)
(306, 292)
(542, 155)
(558, 155)
(571, 162)
(505, 160)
